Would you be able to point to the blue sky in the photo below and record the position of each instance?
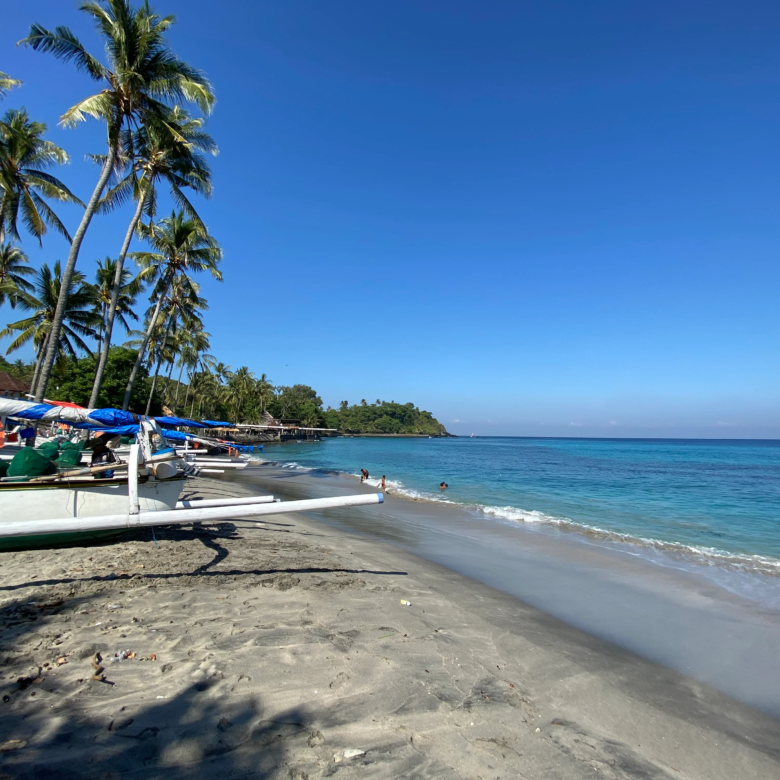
(549, 218)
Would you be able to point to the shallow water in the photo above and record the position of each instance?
(708, 507)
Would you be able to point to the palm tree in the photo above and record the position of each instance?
(182, 302)
(128, 292)
(143, 79)
(238, 388)
(193, 346)
(80, 317)
(264, 390)
(24, 182)
(7, 83)
(183, 247)
(170, 150)
(13, 269)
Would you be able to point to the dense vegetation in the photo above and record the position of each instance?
(383, 417)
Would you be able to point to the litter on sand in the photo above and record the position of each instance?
(406, 603)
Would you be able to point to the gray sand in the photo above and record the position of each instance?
(280, 645)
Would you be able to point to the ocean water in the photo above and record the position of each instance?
(709, 506)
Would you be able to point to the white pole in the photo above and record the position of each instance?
(178, 516)
(224, 502)
(132, 480)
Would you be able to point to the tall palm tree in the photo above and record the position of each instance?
(173, 151)
(183, 247)
(192, 353)
(129, 290)
(238, 388)
(142, 80)
(24, 182)
(80, 318)
(7, 83)
(182, 305)
(264, 390)
(13, 269)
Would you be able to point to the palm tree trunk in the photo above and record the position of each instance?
(70, 266)
(159, 365)
(178, 385)
(154, 384)
(38, 362)
(142, 351)
(115, 290)
(187, 394)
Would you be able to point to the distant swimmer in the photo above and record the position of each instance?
(443, 486)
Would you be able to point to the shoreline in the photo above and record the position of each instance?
(280, 645)
(671, 616)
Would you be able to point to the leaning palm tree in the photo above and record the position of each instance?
(7, 83)
(183, 247)
(24, 181)
(170, 150)
(128, 292)
(143, 79)
(80, 318)
(13, 269)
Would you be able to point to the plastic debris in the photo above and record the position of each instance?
(121, 655)
(406, 603)
(114, 606)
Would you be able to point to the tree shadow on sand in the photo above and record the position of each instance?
(194, 734)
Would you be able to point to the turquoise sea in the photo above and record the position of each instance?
(693, 503)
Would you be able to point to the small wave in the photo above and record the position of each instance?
(707, 556)
(710, 556)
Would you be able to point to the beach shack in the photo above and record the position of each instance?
(11, 387)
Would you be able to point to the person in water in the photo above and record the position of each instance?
(100, 455)
(443, 486)
(383, 486)
(364, 475)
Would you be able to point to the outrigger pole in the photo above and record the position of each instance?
(133, 520)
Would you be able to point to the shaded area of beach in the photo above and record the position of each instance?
(278, 646)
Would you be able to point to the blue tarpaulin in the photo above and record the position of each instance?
(113, 417)
(218, 424)
(179, 421)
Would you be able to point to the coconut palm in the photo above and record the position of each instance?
(171, 151)
(142, 80)
(80, 317)
(24, 182)
(193, 346)
(13, 269)
(182, 305)
(7, 83)
(238, 388)
(129, 290)
(183, 247)
(264, 390)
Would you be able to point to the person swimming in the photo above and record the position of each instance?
(443, 486)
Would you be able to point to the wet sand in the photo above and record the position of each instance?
(278, 646)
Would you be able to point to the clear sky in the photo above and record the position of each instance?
(555, 218)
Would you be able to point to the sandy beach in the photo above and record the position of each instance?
(283, 649)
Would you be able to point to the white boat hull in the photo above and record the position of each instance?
(83, 498)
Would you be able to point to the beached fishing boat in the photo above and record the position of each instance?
(79, 505)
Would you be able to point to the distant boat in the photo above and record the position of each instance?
(472, 435)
